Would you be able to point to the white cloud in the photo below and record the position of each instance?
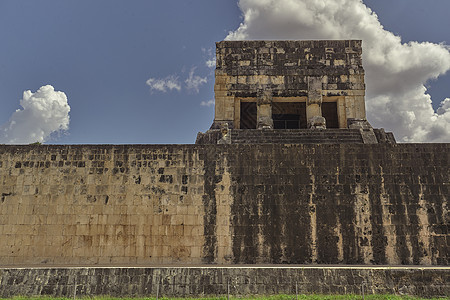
(193, 82)
(396, 72)
(207, 103)
(211, 57)
(444, 107)
(44, 113)
(211, 63)
(163, 84)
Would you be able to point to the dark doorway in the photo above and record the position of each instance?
(329, 112)
(289, 115)
(248, 115)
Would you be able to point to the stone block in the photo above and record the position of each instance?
(237, 202)
(274, 66)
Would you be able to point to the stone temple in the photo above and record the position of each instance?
(290, 191)
(283, 87)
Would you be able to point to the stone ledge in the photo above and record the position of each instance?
(216, 280)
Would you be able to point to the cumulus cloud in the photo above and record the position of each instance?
(211, 57)
(43, 113)
(193, 82)
(164, 84)
(396, 72)
(207, 103)
(445, 107)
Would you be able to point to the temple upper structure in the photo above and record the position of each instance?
(293, 85)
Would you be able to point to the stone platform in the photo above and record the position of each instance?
(176, 281)
(295, 136)
(144, 205)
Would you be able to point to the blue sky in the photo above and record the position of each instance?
(101, 54)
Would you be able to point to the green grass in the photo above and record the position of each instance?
(278, 297)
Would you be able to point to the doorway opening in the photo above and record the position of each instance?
(248, 115)
(289, 115)
(329, 112)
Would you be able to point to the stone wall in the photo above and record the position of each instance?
(218, 281)
(226, 204)
(285, 66)
(289, 71)
(102, 204)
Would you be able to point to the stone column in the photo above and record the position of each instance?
(264, 104)
(224, 102)
(314, 102)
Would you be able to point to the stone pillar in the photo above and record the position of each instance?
(314, 102)
(224, 102)
(264, 104)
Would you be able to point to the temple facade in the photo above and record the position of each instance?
(281, 85)
(289, 84)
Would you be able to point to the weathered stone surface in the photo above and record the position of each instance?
(367, 133)
(288, 71)
(315, 90)
(384, 137)
(259, 203)
(217, 281)
(226, 135)
(295, 136)
(289, 136)
(317, 122)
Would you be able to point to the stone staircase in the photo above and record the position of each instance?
(296, 136)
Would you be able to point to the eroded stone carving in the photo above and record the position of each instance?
(226, 136)
(264, 96)
(317, 122)
(265, 122)
(264, 102)
(314, 90)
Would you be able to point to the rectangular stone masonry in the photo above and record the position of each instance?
(311, 72)
(226, 204)
(217, 281)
